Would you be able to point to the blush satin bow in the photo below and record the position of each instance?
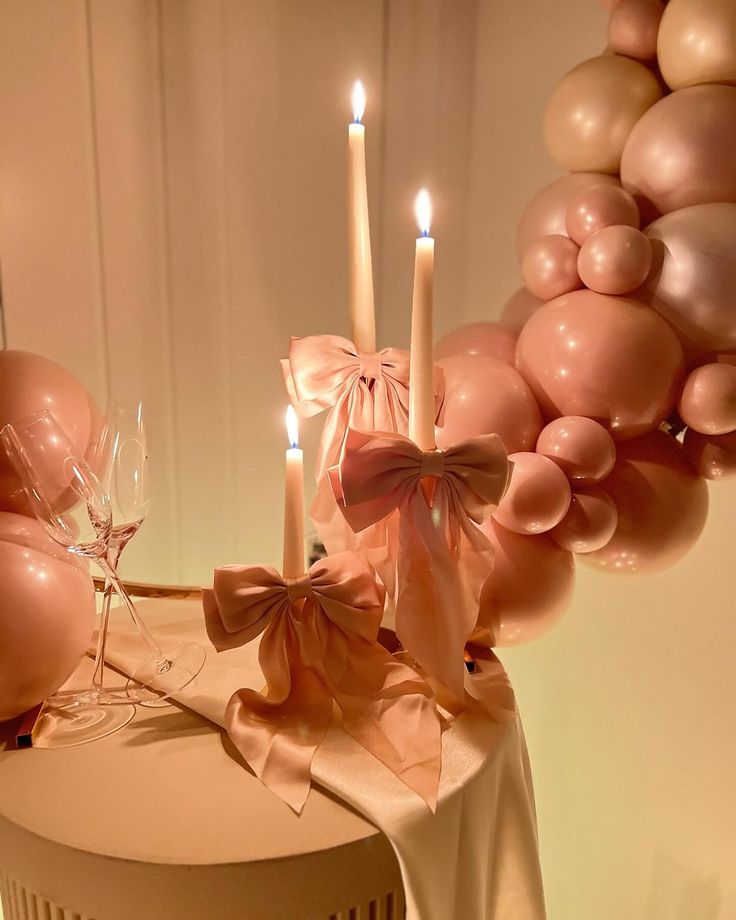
(319, 648)
(442, 556)
(364, 391)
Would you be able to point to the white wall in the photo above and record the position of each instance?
(173, 208)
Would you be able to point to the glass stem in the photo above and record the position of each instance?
(112, 576)
(97, 679)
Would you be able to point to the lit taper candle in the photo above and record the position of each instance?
(293, 501)
(421, 378)
(361, 266)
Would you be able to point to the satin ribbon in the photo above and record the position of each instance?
(358, 390)
(319, 647)
(442, 556)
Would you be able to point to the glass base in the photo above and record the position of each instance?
(69, 724)
(94, 696)
(157, 679)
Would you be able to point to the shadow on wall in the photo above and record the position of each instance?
(678, 894)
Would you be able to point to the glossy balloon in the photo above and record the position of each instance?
(519, 307)
(47, 614)
(589, 523)
(713, 456)
(529, 590)
(694, 274)
(697, 42)
(30, 383)
(593, 110)
(490, 340)
(582, 448)
(615, 260)
(633, 28)
(483, 396)
(662, 505)
(549, 267)
(609, 358)
(599, 206)
(708, 400)
(683, 151)
(537, 497)
(546, 213)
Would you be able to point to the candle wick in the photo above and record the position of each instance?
(425, 233)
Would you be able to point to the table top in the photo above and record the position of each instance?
(167, 788)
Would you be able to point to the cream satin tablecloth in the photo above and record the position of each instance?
(475, 859)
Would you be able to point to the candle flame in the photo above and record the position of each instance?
(423, 211)
(292, 426)
(358, 100)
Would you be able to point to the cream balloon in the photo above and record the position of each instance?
(697, 42)
(593, 109)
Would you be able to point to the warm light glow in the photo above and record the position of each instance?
(423, 211)
(292, 426)
(358, 100)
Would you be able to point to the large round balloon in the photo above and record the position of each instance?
(546, 213)
(593, 110)
(47, 614)
(662, 505)
(683, 151)
(490, 340)
(529, 589)
(693, 279)
(518, 309)
(697, 42)
(30, 383)
(483, 396)
(633, 28)
(609, 358)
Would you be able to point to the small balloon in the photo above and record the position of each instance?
(593, 109)
(609, 358)
(713, 456)
(537, 497)
(546, 212)
(708, 400)
(582, 448)
(615, 260)
(589, 523)
(489, 340)
(483, 396)
(682, 152)
(549, 267)
(662, 505)
(599, 206)
(518, 309)
(528, 591)
(697, 42)
(633, 28)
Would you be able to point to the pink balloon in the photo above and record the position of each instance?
(529, 589)
(30, 383)
(692, 279)
(615, 260)
(708, 400)
(589, 524)
(633, 28)
(599, 206)
(537, 497)
(483, 396)
(520, 306)
(609, 5)
(713, 456)
(683, 151)
(546, 212)
(47, 614)
(549, 267)
(609, 358)
(582, 448)
(662, 505)
(490, 340)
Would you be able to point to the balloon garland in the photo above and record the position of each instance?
(626, 323)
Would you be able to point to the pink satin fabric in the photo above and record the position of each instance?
(364, 391)
(319, 647)
(441, 556)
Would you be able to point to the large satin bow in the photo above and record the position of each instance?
(319, 647)
(442, 556)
